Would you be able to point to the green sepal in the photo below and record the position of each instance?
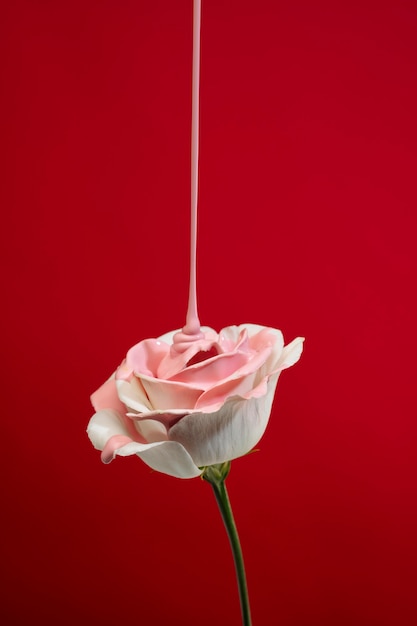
(217, 473)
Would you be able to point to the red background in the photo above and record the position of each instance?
(307, 223)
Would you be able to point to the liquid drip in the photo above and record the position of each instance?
(191, 331)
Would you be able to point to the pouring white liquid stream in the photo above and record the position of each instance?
(191, 331)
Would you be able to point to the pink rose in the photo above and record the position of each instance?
(182, 410)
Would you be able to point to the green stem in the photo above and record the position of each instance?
(216, 475)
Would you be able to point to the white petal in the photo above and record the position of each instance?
(168, 457)
(290, 354)
(151, 430)
(228, 433)
(103, 425)
(228, 337)
(132, 394)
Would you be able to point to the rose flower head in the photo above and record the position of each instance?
(183, 407)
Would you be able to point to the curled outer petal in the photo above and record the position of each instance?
(107, 433)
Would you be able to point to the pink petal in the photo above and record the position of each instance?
(215, 397)
(146, 356)
(106, 397)
(164, 394)
(113, 444)
(124, 372)
(238, 383)
(206, 373)
(264, 337)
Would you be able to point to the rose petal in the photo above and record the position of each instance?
(165, 419)
(169, 457)
(228, 338)
(228, 433)
(290, 354)
(204, 374)
(238, 383)
(152, 430)
(104, 424)
(164, 394)
(260, 390)
(214, 398)
(259, 338)
(174, 362)
(124, 372)
(133, 395)
(112, 445)
(156, 413)
(146, 356)
(106, 396)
